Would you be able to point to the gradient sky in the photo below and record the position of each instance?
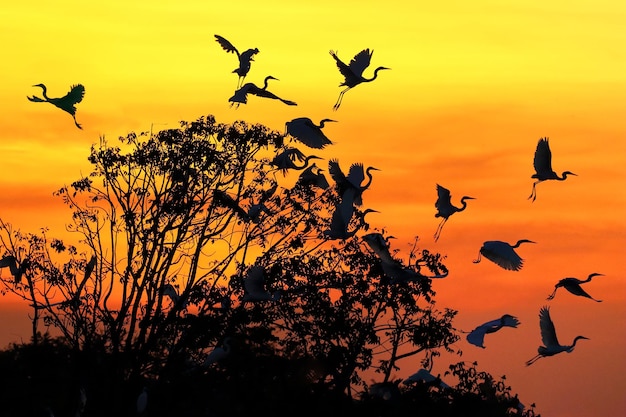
(473, 86)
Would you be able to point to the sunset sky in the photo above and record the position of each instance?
(472, 87)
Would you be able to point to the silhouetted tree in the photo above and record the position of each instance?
(170, 226)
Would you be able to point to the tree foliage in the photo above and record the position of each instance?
(169, 228)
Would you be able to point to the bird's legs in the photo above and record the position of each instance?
(340, 98)
(533, 360)
(551, 296)
(439, 228)
(477, 260)
(533, 194)
(76, 123)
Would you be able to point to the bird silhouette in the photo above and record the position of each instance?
(245, 58)
(304, 130)
(218, 353)
(142, 401)
(343, 214)
(241, 95)
(502, 254)
(543, 167)
(288, 159)
(353, 73)
(254, 286)
(573, 285)
(549, 339)
(476, 337)
(16, 268)
(313, 176)
(424, 376)
(445, 208)
(353, 180)
(67, 102)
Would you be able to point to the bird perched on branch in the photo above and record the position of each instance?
(287, 159)
(313, 176)
(353, 72)
(477, 336)
(16, 268)
(304, 130)
(245, 58)
(445, 208)
(241, 95)
(502, 254)
(548, 337)
(573, 285)
(543, 167)
(67, 102)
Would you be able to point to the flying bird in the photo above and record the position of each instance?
(477, 336)
(356, 175)
(245, 58)
(343, 214)
(573, 285)
(288, 159)
(304, 130)
(445, 208)
(502, 254)
(353, 73)
(67, 102)
(241, 95)
(15, 268)
(549, 339)
(254, 286)
(543, 167)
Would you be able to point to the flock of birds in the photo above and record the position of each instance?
(350, 187)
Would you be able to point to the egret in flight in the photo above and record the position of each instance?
(67, 103)
(476, 337)
(549, 339)
(356, 175)
(445, 208)
(288, 159)
(304, 130)
(502, 254)
(573, 285)
(543, 167)
(241, 95)
(245, 58)
(353, 73)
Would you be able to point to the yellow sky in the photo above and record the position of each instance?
(472, 87)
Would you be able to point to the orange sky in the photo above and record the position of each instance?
(473, 86)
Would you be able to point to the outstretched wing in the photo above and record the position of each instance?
(361, 61)
(510, 321)
(227, 46)
(477, 336)
(543, 157)
(443, 198)
(502, 255)
(548, 332)
(76, 94)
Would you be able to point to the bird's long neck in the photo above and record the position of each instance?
(369, 176)
(463, 204)
(265, 82)
(590, 277)
(519, 242)
(44, 92)
(576, 340)
(367, 80)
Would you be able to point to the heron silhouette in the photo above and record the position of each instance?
(502, 254)
(343, 214)
(313, 176)
(67, 102)
(445, 209)
(254, 286)
(543, 167)
(356, 175)
(551, 345)
(289, 158)
(476, 337)
(353, 73)
(573, 285)
(241, 95)
(245, 58)
(304, 130)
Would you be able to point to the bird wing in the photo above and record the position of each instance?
(548, 332)
(344, 69)
(510, 321)
(335, 172)
(502, 254)
(356, 175)
(76, 94)
(477, 336)
(443, 198)
(543, 157)
(227, 46)
(361, 61)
